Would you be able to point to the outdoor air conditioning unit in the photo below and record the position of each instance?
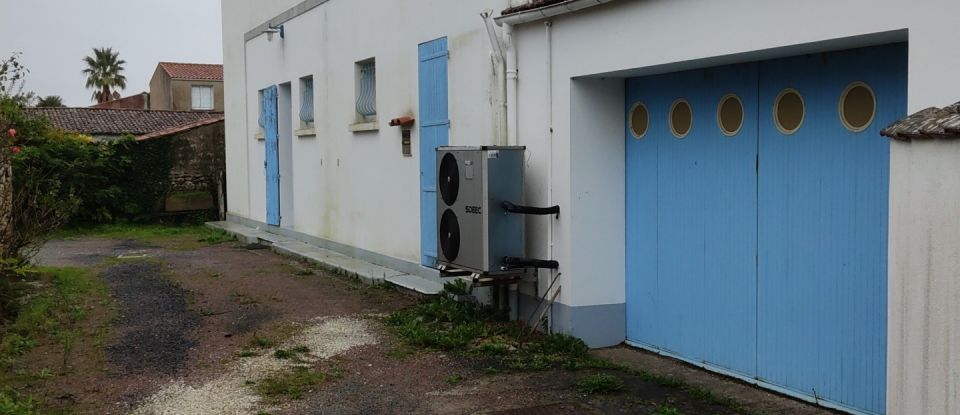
(476, 232)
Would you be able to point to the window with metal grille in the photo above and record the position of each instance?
(202, 97)
(262, 116)
(367, 88)
(306, 101)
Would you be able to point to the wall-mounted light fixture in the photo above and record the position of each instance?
(272, 30)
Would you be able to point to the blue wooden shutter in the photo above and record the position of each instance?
(434, 132)
(272, 153)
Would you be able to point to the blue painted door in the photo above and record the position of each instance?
(271, 163)
(691, 222)
(823, 229)
(763, 254)
(434, 132)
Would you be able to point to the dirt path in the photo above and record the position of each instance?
(221, 329)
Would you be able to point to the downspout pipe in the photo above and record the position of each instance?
(499, 60)
(512, 71)
(548, 39)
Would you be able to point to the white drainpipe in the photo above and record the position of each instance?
(500, 61)
(513, 136)
(548, 30)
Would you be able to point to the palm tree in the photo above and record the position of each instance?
(104, 74)
(50, 101)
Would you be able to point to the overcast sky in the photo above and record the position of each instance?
(55, 35)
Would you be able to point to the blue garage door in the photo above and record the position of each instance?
(757, 218)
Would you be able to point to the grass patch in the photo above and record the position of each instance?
(216, 236)
(475, 331)
(600, 384)
(53, 306)
(401, 352)
(453, 379)
(667, 410)
(262, 342)
(53, 311)
(293, 383)
(498, 346)
(13, 403)
(147, 233)
(293, 353)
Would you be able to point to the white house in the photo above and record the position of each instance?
(726, 197)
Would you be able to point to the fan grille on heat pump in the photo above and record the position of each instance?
(450, 235)
(449, 179)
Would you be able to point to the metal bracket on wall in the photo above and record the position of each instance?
(530, 210)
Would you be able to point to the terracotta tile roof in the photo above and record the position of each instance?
(181, 128)
(193, 71)
(927, 124)
(115, 122)
(530, 5)
(136, 102)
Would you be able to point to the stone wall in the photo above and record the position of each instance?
(198, 169)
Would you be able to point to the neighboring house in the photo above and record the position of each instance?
(726, 197)
(187, 87)
(139, 101)
(196, 178)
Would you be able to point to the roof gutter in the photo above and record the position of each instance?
(547, 12)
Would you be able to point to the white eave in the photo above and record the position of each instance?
(547, 12)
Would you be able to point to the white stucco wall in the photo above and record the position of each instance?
(633, 37)
(924, 337)
(358, 190)
(355, 189)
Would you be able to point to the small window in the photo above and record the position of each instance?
(730, 115)
(202, 98)
(788, 111)
(367, 89)
(681, 118)
(858, 107)
(306, 102)
(639, 120)
(261, 115)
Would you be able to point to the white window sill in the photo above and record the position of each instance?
(364, 126)
(305, 132)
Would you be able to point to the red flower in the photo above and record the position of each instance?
(15, 150)
(12, 133)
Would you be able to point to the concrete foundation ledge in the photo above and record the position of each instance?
(602, 325)
(335, 262)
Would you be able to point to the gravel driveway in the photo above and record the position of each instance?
(199, 327)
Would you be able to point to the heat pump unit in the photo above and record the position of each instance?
(476, 232)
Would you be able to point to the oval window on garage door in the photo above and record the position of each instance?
(681, 118)
(858, 106)
(639, 120)
(730, 115)
(788, 111)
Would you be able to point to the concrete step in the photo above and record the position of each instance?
(415, 283)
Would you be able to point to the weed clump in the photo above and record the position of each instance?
(292, 384)
(13, 403)
(480, 332)
(600, 384)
